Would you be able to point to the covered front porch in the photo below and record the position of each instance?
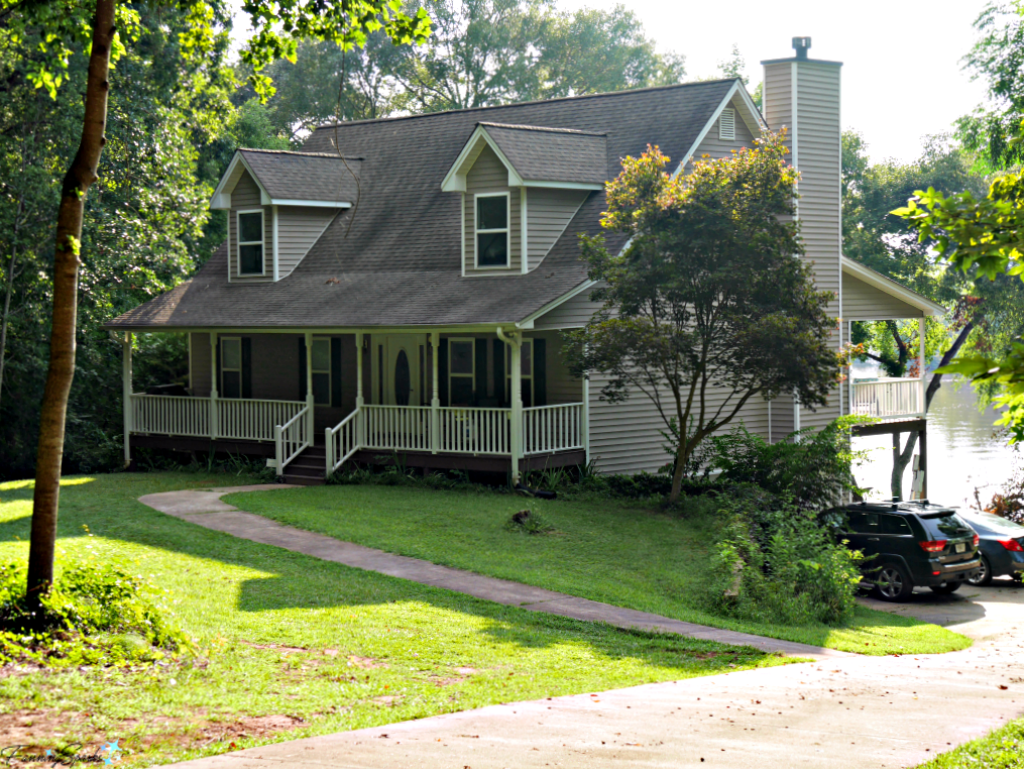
(498, 401)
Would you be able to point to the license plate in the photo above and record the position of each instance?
(961, 547)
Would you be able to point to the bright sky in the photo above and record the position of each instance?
(902, 76)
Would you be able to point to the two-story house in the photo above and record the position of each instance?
(400, 285)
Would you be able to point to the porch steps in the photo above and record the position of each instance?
(307, 469)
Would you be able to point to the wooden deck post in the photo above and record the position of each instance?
(360, 414)
(516, 436)
(435, 393)
(214, 423)
(126, 394)
(310, 401)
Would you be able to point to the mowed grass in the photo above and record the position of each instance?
(292, 646)
(1002, 749)
(618, 552)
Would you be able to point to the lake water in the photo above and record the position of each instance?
(964, 452)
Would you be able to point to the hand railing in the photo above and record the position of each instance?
(887, 398)
(342, 441)
(291, 439)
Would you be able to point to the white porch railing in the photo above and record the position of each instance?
(291, 439)
(397, 428)
(887, 398)
(254, 420)
(342, 441)
(475, 431)
(552, 428)
(170, 415)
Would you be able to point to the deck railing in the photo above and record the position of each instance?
(397, 428)
(170, 415)
(552, 428)
(887, 398)
(291, 439)
(342, 441)
(475, 431)
(253, 420)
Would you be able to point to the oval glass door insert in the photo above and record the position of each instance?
(403, 379)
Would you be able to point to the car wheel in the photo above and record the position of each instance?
(983, 577)
(946, 588)
(893, 583)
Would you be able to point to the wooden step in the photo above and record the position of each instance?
(303, 480)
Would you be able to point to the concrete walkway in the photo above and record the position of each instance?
(206, 509)
(848, 712)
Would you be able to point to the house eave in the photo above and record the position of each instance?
(892, 288)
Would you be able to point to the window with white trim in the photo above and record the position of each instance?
(230, 367)
(461, 371)
(250, 242)
(727, 125)
(525, 366)
(492, 231)
(321, 365)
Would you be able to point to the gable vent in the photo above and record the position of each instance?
(727, 124)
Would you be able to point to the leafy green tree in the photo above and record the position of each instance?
(56, 28)
(706, 300)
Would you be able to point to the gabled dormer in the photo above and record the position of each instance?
(520, 188)
(279, 204)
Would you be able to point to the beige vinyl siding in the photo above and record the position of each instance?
(572, 313)
(548, 213)
(864, 302)
(781, 418)
(245, 197)
(298, 228)
(489, 174)
(199, 365)
(778, 97)
(562, 386)
(818, 160)
(722, 148)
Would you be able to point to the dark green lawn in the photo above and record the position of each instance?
(289, 640)
(612, 551)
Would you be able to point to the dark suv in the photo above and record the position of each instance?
(911, 544)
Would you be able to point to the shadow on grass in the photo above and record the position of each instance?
(109, 508)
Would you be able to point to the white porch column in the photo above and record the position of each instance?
(214, 415)
(435, 393)
(126, 394)
(516, 341)
(585, 427)
(310, 403)
(360, 414)
(922, 328)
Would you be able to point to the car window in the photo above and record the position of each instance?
(894, 524)
(864, 523)
(993, 524)
(942, 525)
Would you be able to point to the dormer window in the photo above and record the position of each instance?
(250, 242)
(492, 231)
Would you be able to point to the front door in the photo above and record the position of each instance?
(402, 369)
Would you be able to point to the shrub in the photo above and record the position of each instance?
(814, 469)
(777, 563)
(93, 615)
(528, 522)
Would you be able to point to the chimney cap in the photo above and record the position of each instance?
(801, 46)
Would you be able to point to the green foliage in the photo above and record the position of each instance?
(94, 615)
(1002, 749)
(528, 522)
(811, 468)
(706, 297)
(776, 563)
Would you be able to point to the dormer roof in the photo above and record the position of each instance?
(317, 179)
(536, 156)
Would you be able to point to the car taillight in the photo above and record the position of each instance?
(1012, 545)
(977, 540)
(935, 546)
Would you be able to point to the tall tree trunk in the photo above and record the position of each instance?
(902, 458)
(80, 176)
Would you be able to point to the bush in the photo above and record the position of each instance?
(92, 616)
(777, 563)
(814, 469)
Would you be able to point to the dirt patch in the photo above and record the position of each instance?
(466, 671)
(366, 663)
(278, 648)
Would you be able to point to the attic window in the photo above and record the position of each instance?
(727, 125)
(492, 217)
(250, 242)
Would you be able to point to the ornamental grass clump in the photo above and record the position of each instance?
(93, 615)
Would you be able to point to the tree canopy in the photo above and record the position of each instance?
(706, 308)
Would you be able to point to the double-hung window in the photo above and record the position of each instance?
(492, 233)
(321, 372)
(525, 366)
(231, 367)
(250, 242)
(461, 371)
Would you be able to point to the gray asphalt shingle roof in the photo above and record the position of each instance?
(553, 154)
(303, 175)
(400, 263)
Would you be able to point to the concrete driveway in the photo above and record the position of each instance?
(847, 712)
